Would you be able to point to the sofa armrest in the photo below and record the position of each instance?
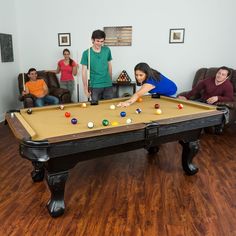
(61, 93)
(184, 93)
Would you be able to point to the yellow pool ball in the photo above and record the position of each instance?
(158, 111)
(84, 105)
(114, 123)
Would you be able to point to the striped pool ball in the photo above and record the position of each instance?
(138, 110)
(112, 107)
(123, 114)
(129, 121)
(180, 106)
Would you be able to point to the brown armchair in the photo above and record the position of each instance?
(204, 73)
(51, 80)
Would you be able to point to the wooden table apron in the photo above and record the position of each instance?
(52, 143)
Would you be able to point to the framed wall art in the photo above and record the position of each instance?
(176, 35)
(6, 48)
(64, 39)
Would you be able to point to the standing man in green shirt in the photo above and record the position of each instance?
(97, 59)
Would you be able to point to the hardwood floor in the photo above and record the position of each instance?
(126, 194)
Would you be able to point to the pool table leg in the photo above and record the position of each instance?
(37, 174)
(190, 149)
(56, 183)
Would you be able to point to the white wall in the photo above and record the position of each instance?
(210, 34)
(8, 70)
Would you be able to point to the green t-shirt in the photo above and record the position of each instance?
(99, 73)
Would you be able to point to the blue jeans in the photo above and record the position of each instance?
(48, 99)
(101, 93)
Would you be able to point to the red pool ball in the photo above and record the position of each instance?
(180, 106)
(67, 114)
(157, 106)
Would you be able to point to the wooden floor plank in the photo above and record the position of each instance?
(126, 194)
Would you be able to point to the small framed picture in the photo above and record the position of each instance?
(64, 39)
(176, 35)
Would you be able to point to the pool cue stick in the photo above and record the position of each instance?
(88, 71)
(23, 80)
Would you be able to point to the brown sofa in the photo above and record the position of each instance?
(51, 80)
(204, 73)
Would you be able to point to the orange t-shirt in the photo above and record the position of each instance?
(36, 87)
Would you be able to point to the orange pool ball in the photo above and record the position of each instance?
(139, 99)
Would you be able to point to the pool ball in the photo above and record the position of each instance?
(112, 107)
(90, 125)
(74, 121)
(62, 107)
(158, 111)
(29, 111)
(67, 114)
(84, 105)
(114, 123)
(180, 106)
(138, 110)
(128, 121)
(105, 122)
(139, 99)
(123, 114)
(157, 106)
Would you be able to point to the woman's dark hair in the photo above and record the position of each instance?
(70, 60)
(148, 71)
(224, 68)
(98, 34)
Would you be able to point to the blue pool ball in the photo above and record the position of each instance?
(138, 110)
(74, 121)
(123, 114)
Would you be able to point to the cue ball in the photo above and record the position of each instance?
(112, 107)
(61, 107)
(138, 110)
(67, 114)
(29, 111)
(180, 106)
(158, 111)
(74, 121)
(84, 105)
(123, 114)
(128, 121)
(157, 106)
(90, 125)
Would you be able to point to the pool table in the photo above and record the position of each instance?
(54, 145)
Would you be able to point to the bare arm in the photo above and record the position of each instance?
(110, 69)
(57, 71)
(75, 70)
(144, 89)
(85, 81)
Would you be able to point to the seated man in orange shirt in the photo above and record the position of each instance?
(39, 89)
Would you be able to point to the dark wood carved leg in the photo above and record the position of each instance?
(56, 183)
(190, 149)
(37, 174)
(153, 150)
